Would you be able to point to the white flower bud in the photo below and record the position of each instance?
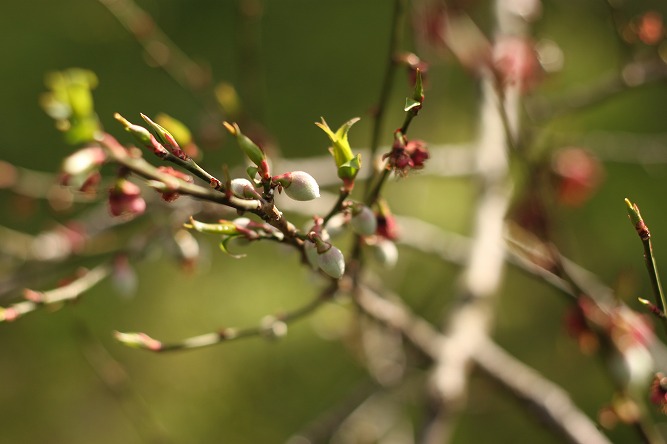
(386, 253)
(632, 367)
(83, 161)
(301, 186)
(363, 221)
(242, 188)
(332, 262)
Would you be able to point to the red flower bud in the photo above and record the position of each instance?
(125, 199)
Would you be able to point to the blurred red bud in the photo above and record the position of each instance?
(578, 175)
(515, 62)
(125, 199)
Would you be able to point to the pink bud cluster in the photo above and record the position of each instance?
(630, 336)
(405, 157)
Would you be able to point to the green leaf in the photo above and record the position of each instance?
(410, 104)
(633, 212)
(224, 227)
(341, 146)
(252, 172)
(349, 169)
(223, 247)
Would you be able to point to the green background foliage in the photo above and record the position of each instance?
(316, 58)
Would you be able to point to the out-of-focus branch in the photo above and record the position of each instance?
(158, 46)
(39, 185)
(323, 427)
(117, 381)
(468, 322)
(542, 397)
(552, 403)
(396, 35)
(69, 292)
(446, 160)
(632, 75)
(271, 326)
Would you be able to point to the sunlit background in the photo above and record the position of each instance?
(292, 62)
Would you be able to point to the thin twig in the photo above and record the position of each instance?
(631, 76)
(551, 403)
(164, 52)
(116, 380)
(272, 326)
(396, 35)
(645, 236)
(35, 300)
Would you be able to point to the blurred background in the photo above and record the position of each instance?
(291, 63)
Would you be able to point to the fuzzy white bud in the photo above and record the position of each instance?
(301, 186)
(332, 262)
(363, 221)
(242, 188)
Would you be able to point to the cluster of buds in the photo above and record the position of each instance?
(298, 185)
(406, 155)
(160, 141)
(628, 338)
(321, 254)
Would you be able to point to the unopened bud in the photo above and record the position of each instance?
(138, 340)
(125, 199)
(299, 185)
(243, 188)
(83, 161)
(363, 220)
(273, 328)
(331, 261)
(250, 148)
(166, 138)
(386, 253)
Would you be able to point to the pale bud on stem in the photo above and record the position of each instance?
(298, 185)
